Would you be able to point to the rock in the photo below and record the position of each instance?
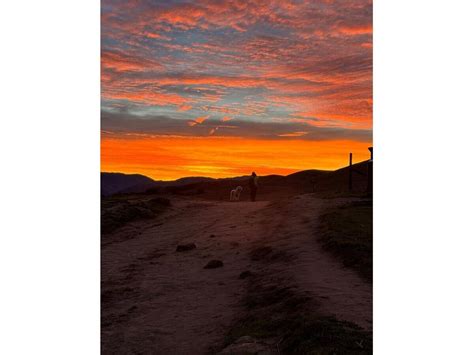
(185, 247)
(245, 274)
(214, 264)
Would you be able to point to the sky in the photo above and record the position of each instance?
(224, 88)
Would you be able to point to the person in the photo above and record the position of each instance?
(253, 186)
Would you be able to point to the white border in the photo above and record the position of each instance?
(49, 253)
(423, 109)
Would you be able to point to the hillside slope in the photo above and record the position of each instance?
(112, 183)
(270, 187)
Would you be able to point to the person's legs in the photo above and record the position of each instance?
(253, 193)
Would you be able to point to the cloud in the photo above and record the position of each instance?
(248, 65)
(124, 123)
(121, 61)
(356, 30)
(198, 120)
(293, 134)
(146, 97)
(185, 107)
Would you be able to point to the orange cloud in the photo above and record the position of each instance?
(293, 134)
(356, 30)
(185, 107)
(121, 61)
(201, 119)
(198, 120)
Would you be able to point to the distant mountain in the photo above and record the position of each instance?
(276, 185)
(186, 180)
(197, 179)
(272, 187)
(112, 183)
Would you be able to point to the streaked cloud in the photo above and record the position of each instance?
(158, 126)
(293, 134)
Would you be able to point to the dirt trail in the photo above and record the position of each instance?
(156, 300)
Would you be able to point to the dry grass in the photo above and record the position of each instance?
(118, 211)
(280, 313)
(346, 232)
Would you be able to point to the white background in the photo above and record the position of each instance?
(50, 162)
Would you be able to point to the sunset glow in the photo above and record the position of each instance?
(173, 157)
(223, 88)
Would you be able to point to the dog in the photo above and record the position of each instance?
(235, 194)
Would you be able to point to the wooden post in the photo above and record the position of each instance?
(350, 171)
(370, 172)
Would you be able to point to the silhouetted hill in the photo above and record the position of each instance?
(186, 180)
(115, 183)
(112, 183)
(321, 182)
(271, 187)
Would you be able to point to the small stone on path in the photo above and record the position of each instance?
(214, 264)
(185, 247)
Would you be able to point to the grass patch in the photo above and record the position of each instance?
(280, 313)
(346, 232)
(325, 335)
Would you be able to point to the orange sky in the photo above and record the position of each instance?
(222, 88)
(169, 158)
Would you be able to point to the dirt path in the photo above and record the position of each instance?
(155, 300)
(166, 302)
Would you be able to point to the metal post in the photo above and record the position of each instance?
(350, 171)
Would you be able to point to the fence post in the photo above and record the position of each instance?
(370, 172)
(350, 171)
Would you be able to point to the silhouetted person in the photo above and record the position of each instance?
(253, 186)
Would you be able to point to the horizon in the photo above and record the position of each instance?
(234, 176)
(234, 87)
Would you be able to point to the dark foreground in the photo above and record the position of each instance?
(263, 278)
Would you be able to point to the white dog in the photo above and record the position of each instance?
(235, 194)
